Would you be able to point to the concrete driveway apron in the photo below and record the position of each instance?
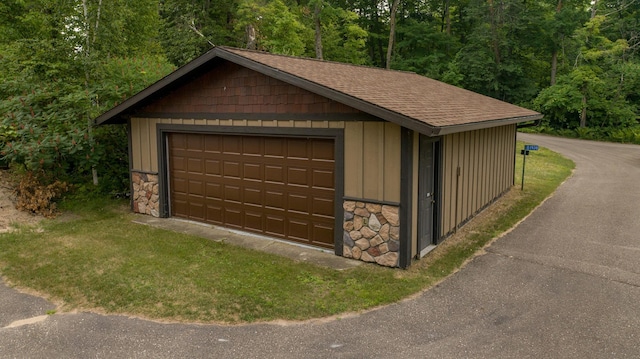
(563, 284)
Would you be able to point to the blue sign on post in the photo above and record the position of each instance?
(524, 154)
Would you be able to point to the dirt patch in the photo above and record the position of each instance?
(9, 215)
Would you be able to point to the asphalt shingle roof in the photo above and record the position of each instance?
(412, 100)
(421, 98)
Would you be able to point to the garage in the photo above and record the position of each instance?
(376, 165)
(282, 187)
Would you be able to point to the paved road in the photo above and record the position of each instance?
(564, 284)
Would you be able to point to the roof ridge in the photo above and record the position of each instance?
(314, 59)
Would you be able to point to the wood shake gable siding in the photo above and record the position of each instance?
(485, 159)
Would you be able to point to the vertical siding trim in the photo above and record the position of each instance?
(392, 162)
(131, 167)
(353, 159)
(372, 160)
(414, 195)
(153, 144)
(135, 144)
(406, 202)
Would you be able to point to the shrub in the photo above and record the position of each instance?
(34, 196)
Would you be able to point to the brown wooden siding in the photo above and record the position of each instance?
(485, 162)
(231, 88)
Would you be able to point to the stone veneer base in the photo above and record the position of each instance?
(371, 232)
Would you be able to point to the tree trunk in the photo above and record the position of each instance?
(446, 19)
(583, 113)
(494, 33)
(554, 55)
(89, 41)
(594, 8)
(392, 31)
(554, 66)
(318, 25)
(251, 37)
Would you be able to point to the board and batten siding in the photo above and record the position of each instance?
(372, 151)
(478, 167)
(372, 161)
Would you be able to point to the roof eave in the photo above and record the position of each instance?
(447, 130)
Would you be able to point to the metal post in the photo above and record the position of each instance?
(524, 161)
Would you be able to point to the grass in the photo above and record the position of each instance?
(95, 258)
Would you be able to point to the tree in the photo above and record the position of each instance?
(593, 93)
(51, 87)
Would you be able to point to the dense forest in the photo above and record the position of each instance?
(63, 62)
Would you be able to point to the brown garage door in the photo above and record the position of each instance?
(281, 187)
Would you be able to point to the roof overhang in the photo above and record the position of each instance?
(446, 130)
(127, 109)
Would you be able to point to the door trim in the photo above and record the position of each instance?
(435, 193)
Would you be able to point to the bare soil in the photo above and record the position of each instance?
(9, 215)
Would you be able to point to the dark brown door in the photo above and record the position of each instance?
(280, 187)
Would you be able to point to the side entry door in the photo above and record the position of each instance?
(428, 165)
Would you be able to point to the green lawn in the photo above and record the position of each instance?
(95, 258)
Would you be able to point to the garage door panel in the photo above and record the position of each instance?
(179, 185)
(194, 143)
(323, 179)
(232, 194)
(298, 229)
(253, 171)
(213, 191)
(179, 164)
(195, 188)
(232, 169)
(212, 144)
(232, 217)
(322, 233)
(283, 187)
(253, 196)
(297, 176)
(195, 165)
(274, 174)
(298, 148)
(232, 144)
(274, 225)
(275, 199)
(322, 151)
(213, 167)
(298, 203)
(196, 210)
(322, 207)
(214, 213)
(253, 221)
(274, 147)
(251, 146)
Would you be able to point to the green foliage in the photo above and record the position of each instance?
(343, 39)
(277, 27)
(594, 85)
(71, 66)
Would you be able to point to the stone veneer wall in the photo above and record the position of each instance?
(371, 232)
(145, 193)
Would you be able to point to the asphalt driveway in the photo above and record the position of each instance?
(563, 284)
